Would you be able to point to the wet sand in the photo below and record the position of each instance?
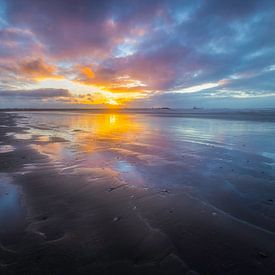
(85, 193)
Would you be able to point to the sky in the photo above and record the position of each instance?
(136, 54)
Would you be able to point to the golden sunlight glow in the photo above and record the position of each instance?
(112, 119)
(99, 128)
(112, 102)
(82, 93)
(96, 131)
(40, 78)
(74, 87)
(103, 125)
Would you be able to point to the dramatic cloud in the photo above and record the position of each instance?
(35, 98)
(36, 68)
(137, 53)
(17, 42)
(39, 93)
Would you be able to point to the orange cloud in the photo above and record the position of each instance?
(37, 69)
(87, 72)
(107, 86)
(110, 81)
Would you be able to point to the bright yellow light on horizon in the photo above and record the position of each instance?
(112, 102)
(82, 92)
(73, 87)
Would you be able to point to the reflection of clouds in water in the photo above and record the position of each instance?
(123, 166)
(135, 145)
(43, 138)
(84, 127)
(269, 155)
(271, 158)
(93, 134)
(23, 136)
(54, 150)
(6, 148)
(219, 160)
(92, 141)
(19, 136)
(11, 211)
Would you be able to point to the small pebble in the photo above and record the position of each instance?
(116, 219)
(262, 254)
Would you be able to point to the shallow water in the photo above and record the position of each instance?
(12, 211)
(6, 148)
(229, 164)
(149, 137)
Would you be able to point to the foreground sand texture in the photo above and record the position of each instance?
(85, 193)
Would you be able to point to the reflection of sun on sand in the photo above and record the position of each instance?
(89, 133)
(101, 129)
(105, 123)
(112, 119)
(53, 150)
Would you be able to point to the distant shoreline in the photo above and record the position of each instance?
(163, 109)
(264, 115)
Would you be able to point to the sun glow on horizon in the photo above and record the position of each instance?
(82, 93)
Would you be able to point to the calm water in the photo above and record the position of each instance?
(149, 136)
(227, 164)
(11, 210)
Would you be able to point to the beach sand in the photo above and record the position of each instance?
(84, 193)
